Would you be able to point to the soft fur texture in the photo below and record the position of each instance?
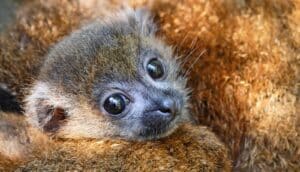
(191, 148)
(18, 141)
(245, 85)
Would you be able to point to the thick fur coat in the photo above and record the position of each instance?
(190, 148)
(242, 59)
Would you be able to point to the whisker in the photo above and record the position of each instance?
(192, 65)
(181, 43)
(186, 58)
(193, 44)
(193, 47)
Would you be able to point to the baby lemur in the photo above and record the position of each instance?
(112, 78)
(244, 86)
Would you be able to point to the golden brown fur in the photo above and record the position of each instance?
(245, 85)
(191, 148)
(18, 141)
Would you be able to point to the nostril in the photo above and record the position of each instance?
(164, 110)
(167, 106)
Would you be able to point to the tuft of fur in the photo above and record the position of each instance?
(191, 148)
(18, 141)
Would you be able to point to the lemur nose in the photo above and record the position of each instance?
(161, 113)
(167, 106)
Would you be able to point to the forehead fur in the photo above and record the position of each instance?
(119, 60)
(132, 32)
(103, 49)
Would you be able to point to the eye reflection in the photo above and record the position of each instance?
(155, 69)
(116, 103)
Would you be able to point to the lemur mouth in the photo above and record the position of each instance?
(161, 131)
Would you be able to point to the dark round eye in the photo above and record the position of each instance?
(115, 104)
(155, 69)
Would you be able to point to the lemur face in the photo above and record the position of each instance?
(149, 104)
(110, 79)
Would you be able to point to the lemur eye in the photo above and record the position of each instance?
(155, 69)
(115, 104)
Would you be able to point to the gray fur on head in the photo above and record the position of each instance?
(145, 22)
(114, 64)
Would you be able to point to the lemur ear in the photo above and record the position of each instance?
(57, 116)
(145, 21)
(47, 117)
(43, 109)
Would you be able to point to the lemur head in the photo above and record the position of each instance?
(112, 78)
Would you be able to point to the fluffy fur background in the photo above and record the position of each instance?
(245, 85)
